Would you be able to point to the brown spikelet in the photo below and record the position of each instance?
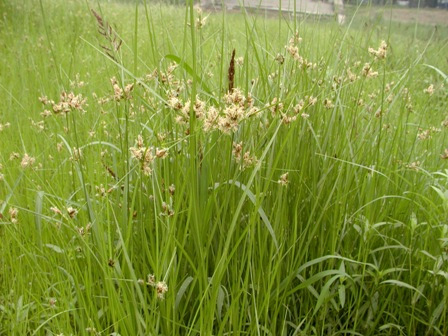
(110, 171)
(231, 72)
(109, 34)
(99, 19)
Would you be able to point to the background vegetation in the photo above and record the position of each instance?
(309, 199)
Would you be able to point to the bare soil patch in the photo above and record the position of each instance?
(410, 15)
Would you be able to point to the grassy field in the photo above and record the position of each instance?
(153, 184)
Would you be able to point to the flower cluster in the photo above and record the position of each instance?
(160, 286)
(27, 161)
(293, 49)
(121, 93)
(284, 179)
(146, 156)
(237, 107)
(84, 231)
(14, 215)
(5, 125)
(244, 160)
(67, 102)
(429, 90)
(143, 154)
(368, 72)
(381, 52)
(200, 21)
(76, 154)
(199, 109)
(428, 133)
(167, 77)
(72, 212)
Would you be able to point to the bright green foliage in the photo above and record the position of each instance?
(309, 200)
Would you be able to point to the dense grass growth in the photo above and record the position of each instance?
(140, 196)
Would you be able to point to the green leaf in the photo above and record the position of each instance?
(38, 216)
(182, 290)
(220, 301)
(325, 293)
(402, 284)
(437, 312)
(55, 248)
(341, 291)
(444, 76)
(318, 260)
(317, 277)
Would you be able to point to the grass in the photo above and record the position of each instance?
(260, 212)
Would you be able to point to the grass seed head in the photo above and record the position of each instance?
(444, 155)
(429, 90)
(14, 215)
(56, 210)
(381, 52)
(27, 161)
(161, 288)
(72, 212)
(283, 180)
(231, 72)
(14, 156)
(368, 72)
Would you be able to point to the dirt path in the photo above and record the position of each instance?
(302, 6)
(410, 15)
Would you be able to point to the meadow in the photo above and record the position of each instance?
(169, 171)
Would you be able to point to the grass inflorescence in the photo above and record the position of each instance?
(165, 171)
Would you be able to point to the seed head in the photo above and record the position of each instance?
(27, 161)
(328, 104)
(444, 155)
(151, 280)
(429, 90)
(13, 215)
(368, 72)
(161, 288)
(72, 212)
(381, 52)
(162, 153)
(3, 126)
(56, 210)
(76, 154)
(283, 181)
